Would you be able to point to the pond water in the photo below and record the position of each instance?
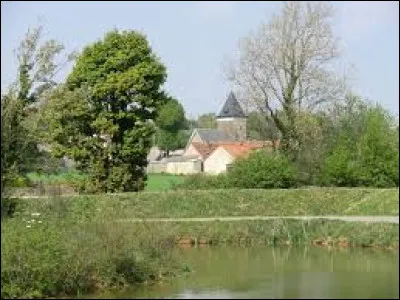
(262, 272)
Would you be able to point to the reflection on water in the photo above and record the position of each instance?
(206, 294)
(234, 272)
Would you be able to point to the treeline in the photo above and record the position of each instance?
(104, 115)
(355, 145)
(112, 108)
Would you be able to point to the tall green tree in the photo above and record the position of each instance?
(38, 63)
(365, 148)
(208, 120)
(102, 117)
(15, 144)
(171, 123)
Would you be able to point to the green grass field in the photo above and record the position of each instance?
(210, 203)
(63, 177)
(155, 182)
(162, 182)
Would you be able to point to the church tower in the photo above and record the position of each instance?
(232, 120)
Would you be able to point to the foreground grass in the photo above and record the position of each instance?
(315, 201)
(56, 258)
(162, 182)
(73, 245)
(50, 257)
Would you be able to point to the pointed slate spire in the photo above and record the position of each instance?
(231, 108)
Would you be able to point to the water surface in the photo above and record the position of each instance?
(263, 272)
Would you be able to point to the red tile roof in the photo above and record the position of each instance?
(240, 150)
(236, 149)
(204, 149)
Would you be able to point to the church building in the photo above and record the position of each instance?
(218, 148)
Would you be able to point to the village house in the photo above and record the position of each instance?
(212, 151)
(225, 154)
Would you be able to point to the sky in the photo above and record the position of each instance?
(194, 39)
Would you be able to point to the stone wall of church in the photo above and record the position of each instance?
(235, 127)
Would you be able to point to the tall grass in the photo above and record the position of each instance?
(287, 232)
(69, 177)
(46, 255)
(211, 203)
(73, 245)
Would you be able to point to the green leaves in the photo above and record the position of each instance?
(170, 122)
(207, 121)
(18, 149)
(102, 117)
(366, 150)
(171, 116)
(263, 170)
(38, 62)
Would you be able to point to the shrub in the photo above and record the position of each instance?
(263, 170)
(49, 257)
(8, 206)
(259, 170)
(368, 156)
(204, 182)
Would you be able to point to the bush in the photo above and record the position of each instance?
(49, 258)
(8, 206)
(204, 182)
(70, 177)
(263, 170)
(368, 157)
(20, 181)
(259, 170)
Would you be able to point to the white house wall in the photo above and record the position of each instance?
(184, 167)
(216, 163)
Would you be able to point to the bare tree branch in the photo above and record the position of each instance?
(288, 65)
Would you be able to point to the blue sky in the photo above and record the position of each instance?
(194, 38)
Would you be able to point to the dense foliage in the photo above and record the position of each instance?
(38, 62)
(15, 145)
(366, 149)
(263, 170)
(171, 126)
(208, 120)
(102, 117)
(260, 169)
(356, 143)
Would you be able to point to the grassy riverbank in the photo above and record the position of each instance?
(44, 257)
(295, 202)
(287, 232)
(63, 257)
(73, 245)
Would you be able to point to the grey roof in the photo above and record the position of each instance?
(213, 135)
(231, 108)
(178, 158)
